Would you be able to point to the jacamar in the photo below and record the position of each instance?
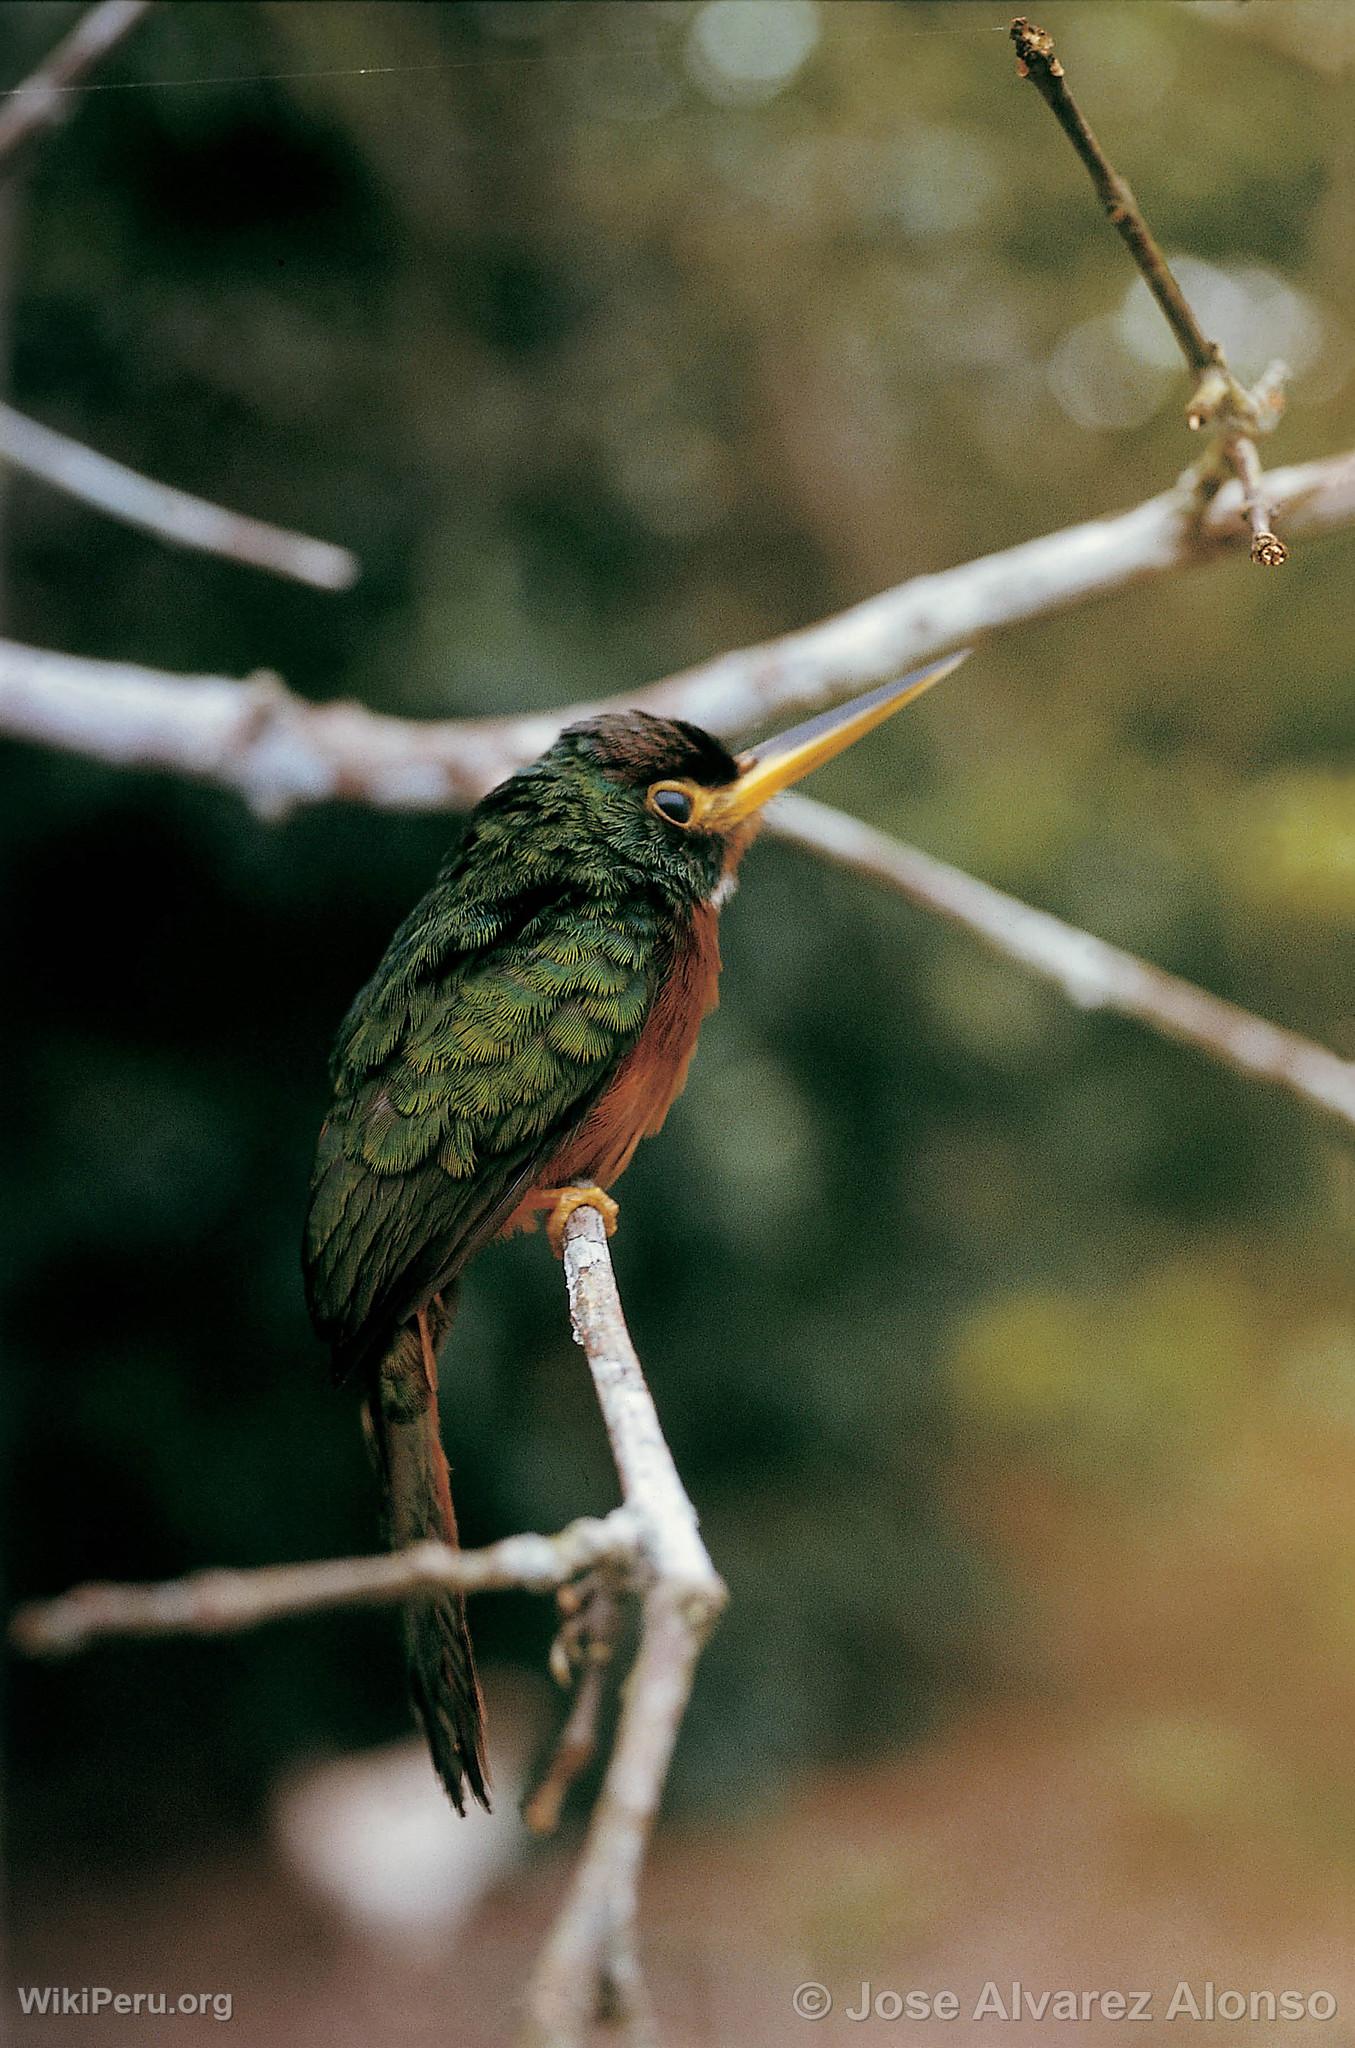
(533, 1018)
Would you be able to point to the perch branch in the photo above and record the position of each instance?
(40, 100)
(171, 514)
(1091, 973)
(1234, 414)
(226, 1602)
(590, 1956)
(590, 1961)
(279, 751)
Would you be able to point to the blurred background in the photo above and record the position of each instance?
(1008, 1353)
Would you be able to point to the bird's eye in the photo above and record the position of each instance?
(671, 801)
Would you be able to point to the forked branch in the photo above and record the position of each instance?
(650, 1542)
(278, 751)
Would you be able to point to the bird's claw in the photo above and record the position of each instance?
(570, 1199)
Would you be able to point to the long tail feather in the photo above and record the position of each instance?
(402, 1423)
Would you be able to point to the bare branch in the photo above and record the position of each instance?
(580, 1655)
(590, 1960)
(590, 1955)
(226, 1602)
(574, 1751)
(278, 751)
(1232, 413)
(40, 101)
(900, 628)
(1266, 546)
(171, 514)
(1091, 973)
(274, 749)
(1036, 61)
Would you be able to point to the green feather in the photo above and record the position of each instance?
(503, 1005)
(578, 1037)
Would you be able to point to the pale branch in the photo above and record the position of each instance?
(41, 100)
(81, 472)
(1220, 403)
(172, 515)
(213, 1603)
(590, 1956)
(279, 751)
(652, 1541)
(254, 737)
(1091, 973)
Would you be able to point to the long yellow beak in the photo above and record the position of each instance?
(779, 762)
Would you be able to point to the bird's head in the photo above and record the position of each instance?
(667, 797)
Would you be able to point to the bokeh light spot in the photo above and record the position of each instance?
(1098, 383)
(749, 50)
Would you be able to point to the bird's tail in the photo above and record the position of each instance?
(402, 1427)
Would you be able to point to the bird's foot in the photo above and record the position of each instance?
(566, 1201)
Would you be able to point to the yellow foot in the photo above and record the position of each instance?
(566, 1201)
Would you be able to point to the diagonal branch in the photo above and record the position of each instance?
(1220, 403)
(40, 101)
(279, 751)
(1037, 62)
(1091, 973)
(95, 479)
(173, 515)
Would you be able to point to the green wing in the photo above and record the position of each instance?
(458, 1074)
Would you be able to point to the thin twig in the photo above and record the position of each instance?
(1219, 402)
(1091, 973)
(574, 1751)
(1036, 61)
(40, 101)
(590, 1957)
(226, 1602)
(172, 515)
(1266, 546)
(579, 1656)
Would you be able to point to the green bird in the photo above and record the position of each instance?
(533, 1018)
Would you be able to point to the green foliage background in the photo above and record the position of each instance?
(600, 373)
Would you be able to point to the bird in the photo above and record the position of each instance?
(532, 1019)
